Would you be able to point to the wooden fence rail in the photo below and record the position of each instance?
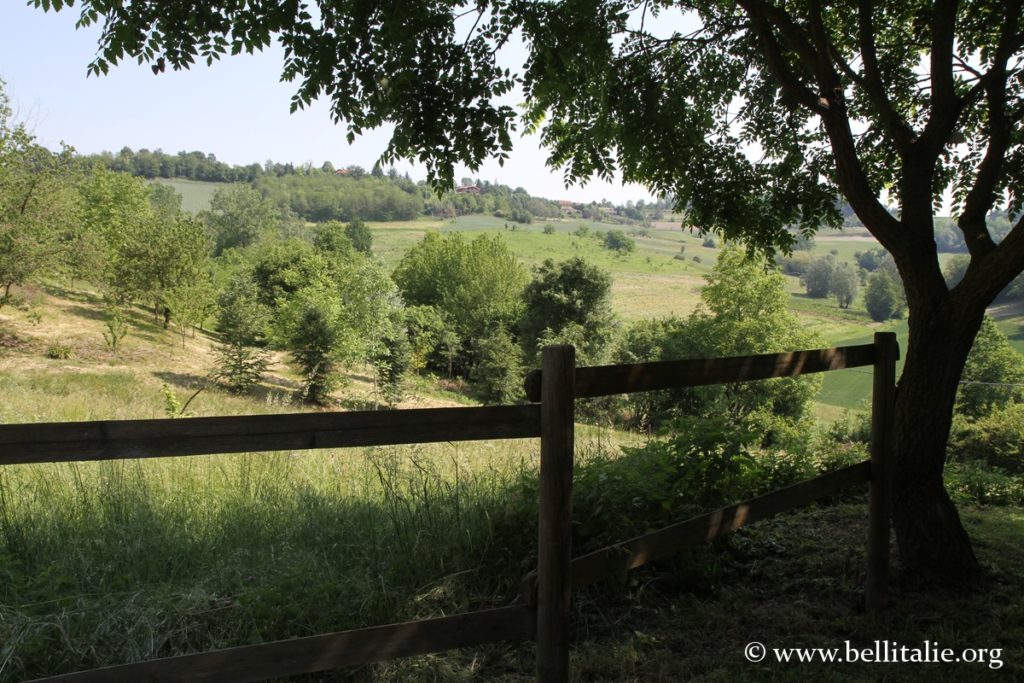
(544, 612)
(322, 652)
(606, 380)
(117, 439)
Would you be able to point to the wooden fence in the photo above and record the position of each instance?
(542, 613)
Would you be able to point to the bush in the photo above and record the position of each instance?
(565, 293)
(795, 264)
(700, 466)
(520, 216)
(239, 367)
(976, 483)
(115, 328)
(870, 260)
(703, 464)
(709, 242)
(817, 278)
(993, 374)
(242, 320)
(498, 372)
(549, 229)
(996, 439)
(359, 234)
(392, 362)
(617, 241)
(882, 298)
(843, 285)
(58, 351)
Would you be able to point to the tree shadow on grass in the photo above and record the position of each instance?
(85, 312)
(73, 294)
(184, 380)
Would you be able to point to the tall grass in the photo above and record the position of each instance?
(104, 563)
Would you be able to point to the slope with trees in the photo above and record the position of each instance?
(37, 204)
(930, 89)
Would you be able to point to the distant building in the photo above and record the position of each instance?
(468, 189)
(568, 208)
(343, 171)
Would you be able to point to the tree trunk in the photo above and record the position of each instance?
(932, 541)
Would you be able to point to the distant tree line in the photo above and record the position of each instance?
(330, 193)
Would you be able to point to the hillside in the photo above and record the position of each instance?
(54, 346)
(114, 561)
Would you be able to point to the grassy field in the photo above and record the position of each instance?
(195, 194)
(651, 282)
(103, 563)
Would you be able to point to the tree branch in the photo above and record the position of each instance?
(830, 107)
(943, 28)
(981, 198)
(791, 85)
(990, 272)
(895, 126)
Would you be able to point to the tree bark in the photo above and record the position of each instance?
(932, 541)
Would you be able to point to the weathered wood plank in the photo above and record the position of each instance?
(605, 380)
(64, 441)
(554, 551)
(617, 559)
(883, 400)
(322, 652)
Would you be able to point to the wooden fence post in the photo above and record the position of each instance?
(554, 552)
(883, 401)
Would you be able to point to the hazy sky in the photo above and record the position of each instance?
(237, 109)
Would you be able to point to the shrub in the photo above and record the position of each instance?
(702, 464)
(709, 242)
(795, 264)
(58, 351)
(817, 278)
(360, 236)
(699, 466)
(243, 321)
(498, 371)
(992, 375)
(996, 439)
(393, 360)
(975, 482)
(564, 293)
(843, 285)
(519, 216)
(115, 328)
(239, 367)
(617, 241)
(549, 229)
(882, 297)
(870, 260)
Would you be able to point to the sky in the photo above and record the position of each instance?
(236, 110)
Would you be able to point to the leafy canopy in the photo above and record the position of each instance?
(567, 293)
(36, 204)
(476, 284)
(910, 97)
(993, 375)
